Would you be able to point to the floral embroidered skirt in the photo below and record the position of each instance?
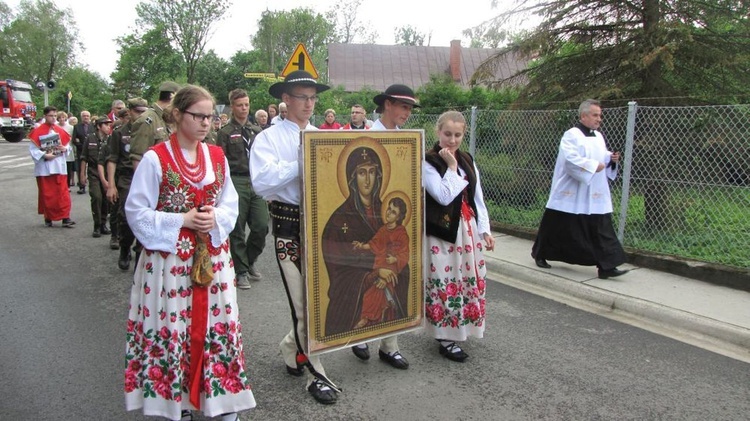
(158, 340)
(455, 285)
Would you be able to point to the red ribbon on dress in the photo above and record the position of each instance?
(198, 328)
(467, 213)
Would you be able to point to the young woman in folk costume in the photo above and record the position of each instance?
(184, 338)
(457, 223)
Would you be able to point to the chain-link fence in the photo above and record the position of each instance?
(684, 188)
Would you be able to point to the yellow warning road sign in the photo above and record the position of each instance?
(300, 60)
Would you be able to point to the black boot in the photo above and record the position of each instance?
(124, 261)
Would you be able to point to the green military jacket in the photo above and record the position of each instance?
(236, 140)
(119, 149)
(148, 130)
(90, 152)
(211, 137)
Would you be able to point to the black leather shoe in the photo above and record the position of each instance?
(453, 352)
(96, 233)
(361, 353)
(105, 230)
(542, 263)
(124, 261)
(322, 393)
(394, 360)
(296, 372)
(611, 273)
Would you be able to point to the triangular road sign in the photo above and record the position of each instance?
(300, 60)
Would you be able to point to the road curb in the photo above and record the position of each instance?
(718, 336)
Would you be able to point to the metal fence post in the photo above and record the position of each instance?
(473, 132)
(627, 162)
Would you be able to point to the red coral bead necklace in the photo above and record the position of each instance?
(193, 172)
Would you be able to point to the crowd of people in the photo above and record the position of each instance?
(191, 193)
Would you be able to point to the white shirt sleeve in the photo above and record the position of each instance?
(156, 230)
(226, 210)
(36, 153)
(483, 217)
(270, 173)
(443, 189)
(576, 165)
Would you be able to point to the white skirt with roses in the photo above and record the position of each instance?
(158, 340)
(455, 285)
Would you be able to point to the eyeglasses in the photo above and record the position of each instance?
(304, 98)
(199, 117)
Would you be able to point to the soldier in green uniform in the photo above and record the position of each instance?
(214, 131)
(150, 129)
(101, 169)
(119, 162)
(89, 166)
(236, 138)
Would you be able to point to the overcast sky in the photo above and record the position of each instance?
(100, 22)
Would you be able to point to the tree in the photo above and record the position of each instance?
(489, 34)
(257, 89)
(90, 92)
(653, 50)
(660, 52)
(40, 43)
(145, 62)
(409, 35)
(348, 27)
(279, 32)
(187, 24)
(211, 73)
(6, 15)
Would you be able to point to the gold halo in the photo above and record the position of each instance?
(404, 197)
(385, 162)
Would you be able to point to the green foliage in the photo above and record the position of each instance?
(489, 34)
(279, 32)
(39, 44)
(145, 62)
(441, 94)
(656, 51)
(187, 24)
(408, 35)
(342, 101)
(90, 92)
(212, 72)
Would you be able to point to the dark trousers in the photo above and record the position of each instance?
(99, 203)
(253, 212)
(126, 234)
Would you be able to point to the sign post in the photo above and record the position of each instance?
(303, 62)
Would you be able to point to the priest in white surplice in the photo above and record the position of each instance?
(576, 226)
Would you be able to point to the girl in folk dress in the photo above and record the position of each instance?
(184, 338)
(457, 222)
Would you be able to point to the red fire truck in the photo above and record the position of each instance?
(18, 109)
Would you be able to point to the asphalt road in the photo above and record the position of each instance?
(63, 305)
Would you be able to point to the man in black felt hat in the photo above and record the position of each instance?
(395, 106)
(274, 171)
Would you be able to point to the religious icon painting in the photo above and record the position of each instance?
(362, 214)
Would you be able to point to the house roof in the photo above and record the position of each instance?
(356, 66)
